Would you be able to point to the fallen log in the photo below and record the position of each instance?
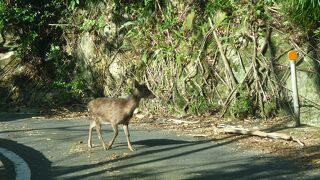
(179, 121)
(236, 130)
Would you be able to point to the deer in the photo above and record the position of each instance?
(115, 111)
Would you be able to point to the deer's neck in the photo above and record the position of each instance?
(133, 102)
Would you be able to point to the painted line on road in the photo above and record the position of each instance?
(21, 167)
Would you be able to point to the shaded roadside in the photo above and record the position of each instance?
(7, 117)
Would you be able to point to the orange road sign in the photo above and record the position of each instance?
(293, 55)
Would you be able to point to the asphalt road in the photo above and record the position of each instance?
(57, 149)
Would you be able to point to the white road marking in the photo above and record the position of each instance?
(21, 167)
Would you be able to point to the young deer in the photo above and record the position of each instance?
(116, 111)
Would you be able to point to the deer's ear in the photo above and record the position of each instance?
(136, 83)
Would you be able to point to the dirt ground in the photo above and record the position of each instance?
(308, 156)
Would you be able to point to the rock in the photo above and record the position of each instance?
(110, 31)
(5, 58)
(86, 47)
(116, 69)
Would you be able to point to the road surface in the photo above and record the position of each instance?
(57, 149)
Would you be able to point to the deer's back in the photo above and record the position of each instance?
(110, 109)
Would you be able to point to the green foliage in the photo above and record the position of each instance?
(40, 45)
(188, 22)
(70, 92)
(317, 32)
(76, 86)
(173, 42)
(71, 86)
(28, 22)
(101, 22)
(219, 18)
(227, 6)
(270, 107)
(88, 24)
(54, 53)
(170, 40)
(305, 14)
(202, 105)
(242, 106)
(180, 102)
(72, 4)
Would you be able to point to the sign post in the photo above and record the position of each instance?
(293, 56)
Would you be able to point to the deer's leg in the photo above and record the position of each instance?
(92, 125)
(126, 131)
(98, 128)
(115, 130)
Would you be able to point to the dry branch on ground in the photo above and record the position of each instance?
(272, 135)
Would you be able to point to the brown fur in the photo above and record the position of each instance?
(116, 111)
